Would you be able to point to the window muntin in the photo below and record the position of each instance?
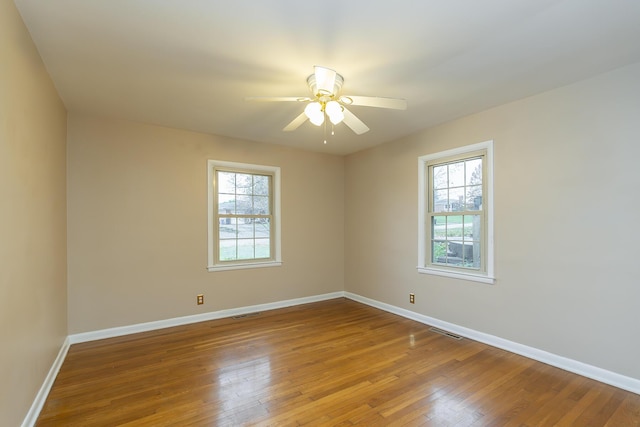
(455, 213)
(244, 214)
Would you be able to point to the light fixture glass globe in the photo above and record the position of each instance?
(317, 120)
(312, 109)
(336, 117)
(335, 112)
(314, 112)
(333, 107)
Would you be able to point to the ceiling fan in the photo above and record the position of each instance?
(326, 102)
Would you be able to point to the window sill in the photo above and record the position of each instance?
(456, 275)
(211, 268)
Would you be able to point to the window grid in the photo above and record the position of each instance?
(455, 217)
(243, 215)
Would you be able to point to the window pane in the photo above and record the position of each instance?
(477, 254)
(261, 185)
(472, 258)
(473, 233)
(474, 198)
(226, 182)
(472, 224)
(474, 171)
(471, 255)
(244, 205)
(262, 227)
(439, 252)
(440, 177)
(245, 228)
(454, 226)
(439, 227)
(226, 204)
(244, 183)
(228, 228)
(227, 250)
(246, 249)
(261, 205)
(455, 251)
(456, 174)
(440, 201)
(263, 248)
(456, 199)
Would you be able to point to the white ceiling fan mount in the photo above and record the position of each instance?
(326, 101)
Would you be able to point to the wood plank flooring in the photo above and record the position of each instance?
(332, 363)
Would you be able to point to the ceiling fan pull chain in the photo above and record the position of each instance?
(325, 131)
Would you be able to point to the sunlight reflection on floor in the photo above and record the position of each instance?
(237, 382)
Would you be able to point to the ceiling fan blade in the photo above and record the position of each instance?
(325, 79)
(296, 123)
(375, 101)
(277, 98)
(354, 123)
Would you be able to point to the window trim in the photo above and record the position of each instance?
(276, 261)
(423, 234)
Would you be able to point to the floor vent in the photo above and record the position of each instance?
(446, 333)
(242, 316)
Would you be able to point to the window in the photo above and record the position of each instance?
(244, 216)
(456, 213)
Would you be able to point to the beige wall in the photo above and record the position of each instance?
(566, 223)
(138, 224)
(567, 234)
(33, 307)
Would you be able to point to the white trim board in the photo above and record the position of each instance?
(185, 320)
(589, 371)
(583, 369)
(32, 416)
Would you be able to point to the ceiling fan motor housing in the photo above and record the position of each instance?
(324, 92)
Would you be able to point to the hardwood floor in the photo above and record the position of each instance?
(334, 363)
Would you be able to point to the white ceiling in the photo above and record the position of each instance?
(190, 63)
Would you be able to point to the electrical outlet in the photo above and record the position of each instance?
(200, 299)
(412, 298)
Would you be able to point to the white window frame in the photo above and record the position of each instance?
(276, 260)
(424, 229)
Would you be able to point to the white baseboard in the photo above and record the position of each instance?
(32, 416)
(589, 371)
(185, 320)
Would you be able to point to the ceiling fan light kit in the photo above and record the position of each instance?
(335, 112)
(315, 112)
(325, 85)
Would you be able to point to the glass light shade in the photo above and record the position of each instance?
(314, 112)
(334, 111)
(332, 108)
(313, 109)
(337, 117)
(317, 120)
